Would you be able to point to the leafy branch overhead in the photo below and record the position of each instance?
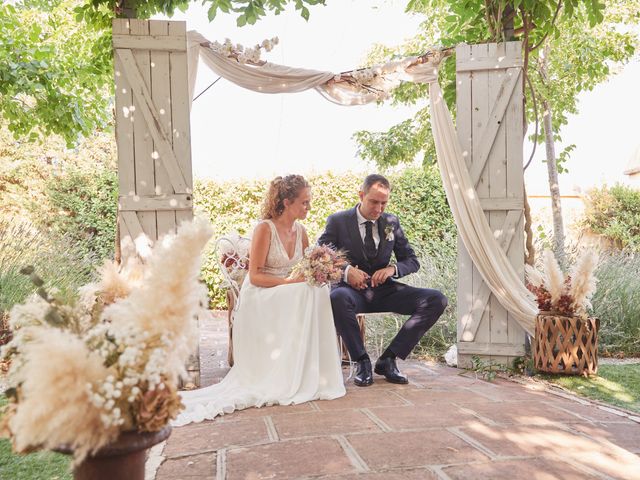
(586, 38)
(56, 70)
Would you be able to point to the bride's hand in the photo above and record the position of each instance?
(297, 279)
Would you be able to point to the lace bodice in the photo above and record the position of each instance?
(278, 262)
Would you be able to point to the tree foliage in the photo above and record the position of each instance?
(72, 192)
(54, 75)
(56, 67)
(581, 57)
(586, 37)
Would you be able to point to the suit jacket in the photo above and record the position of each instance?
(342, 232)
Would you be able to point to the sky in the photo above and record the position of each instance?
(237, 133)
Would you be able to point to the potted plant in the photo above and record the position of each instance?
(97, 377)
(566, 338)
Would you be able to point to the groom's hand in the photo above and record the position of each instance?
(381, 276)
(357, 278)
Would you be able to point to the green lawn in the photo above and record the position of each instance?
(35, 466)
(617, 385)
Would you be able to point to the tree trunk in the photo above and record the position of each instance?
(530, 249)
(554, 188)
(507, 23)
(126, 8)
(552, 169)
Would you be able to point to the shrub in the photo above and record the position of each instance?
(615, 214)
(418, 199)
(86, 205)
(617, 302)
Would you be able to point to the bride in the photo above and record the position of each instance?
(284, 339)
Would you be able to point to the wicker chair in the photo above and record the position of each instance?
(233, 257)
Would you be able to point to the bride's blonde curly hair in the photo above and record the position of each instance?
(282, 188)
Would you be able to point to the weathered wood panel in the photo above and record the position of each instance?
(180, 114)
(152, 132)
(489, 124)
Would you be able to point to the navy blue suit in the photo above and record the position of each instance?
(424, 305)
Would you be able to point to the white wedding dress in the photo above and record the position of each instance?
(284, 344)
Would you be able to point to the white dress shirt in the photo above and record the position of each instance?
(376, 237)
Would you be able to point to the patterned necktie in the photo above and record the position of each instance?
(369, 245)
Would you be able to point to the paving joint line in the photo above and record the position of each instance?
(482, 394)
(482, 418)
(473, 442)
(221, 464)
(372, 416)
(417, 385)
(580, 466)
(407, 402)
(214, 450)
(154, 460)
(271, 429)
(440, 473)
(354, 457)
(425, 369)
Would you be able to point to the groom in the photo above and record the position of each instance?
(369, 237)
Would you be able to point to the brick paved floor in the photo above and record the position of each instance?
(445, 424)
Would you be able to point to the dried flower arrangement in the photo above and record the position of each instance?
(567, 294)
(81, 373)
(321, 265)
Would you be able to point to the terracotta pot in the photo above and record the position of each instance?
(565, 344)
(123, 459)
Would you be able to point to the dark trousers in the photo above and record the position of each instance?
(425, 306)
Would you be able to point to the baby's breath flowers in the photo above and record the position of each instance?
(241, 53)
(83, 372)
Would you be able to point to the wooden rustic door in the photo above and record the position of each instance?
(489, 125)
(152, 127)
(153, 134)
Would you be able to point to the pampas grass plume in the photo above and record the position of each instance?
(583, 281)
(164, 304)
(534, 277)
(54, 407)
(113, 284)
(553, 275)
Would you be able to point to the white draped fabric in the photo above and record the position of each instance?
(477, 236)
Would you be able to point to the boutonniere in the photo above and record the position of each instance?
(388, 233)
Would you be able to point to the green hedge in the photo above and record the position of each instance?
(85, 205)
(417, 198)
(615, 213)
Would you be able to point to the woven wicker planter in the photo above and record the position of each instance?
(566, 345)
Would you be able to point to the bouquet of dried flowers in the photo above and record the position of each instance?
(567, 294)
(321, 265)
(83, 372)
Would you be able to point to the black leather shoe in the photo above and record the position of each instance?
(388, 368)
(364, 375)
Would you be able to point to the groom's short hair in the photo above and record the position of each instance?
(371, 180)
